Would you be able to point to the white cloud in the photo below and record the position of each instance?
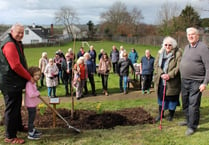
(42, 11)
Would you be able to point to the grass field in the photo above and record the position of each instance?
(33, 55)
(147, 134)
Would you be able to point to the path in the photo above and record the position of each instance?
(133, 94)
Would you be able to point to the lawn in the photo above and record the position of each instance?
(147, 134)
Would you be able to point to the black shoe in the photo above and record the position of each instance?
(170, 118)
(67, 94)
(183, 123)
(94, 94)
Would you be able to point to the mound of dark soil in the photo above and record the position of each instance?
(87, 119)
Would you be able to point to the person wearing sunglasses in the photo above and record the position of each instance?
(167, 77)
(194, 70)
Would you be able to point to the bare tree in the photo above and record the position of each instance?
(67, 16)
(167, 11)
(118, 18)
(166, 17)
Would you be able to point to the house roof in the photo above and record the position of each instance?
(41, 31)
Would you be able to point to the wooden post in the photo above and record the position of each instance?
(54, 116)
(54, 102)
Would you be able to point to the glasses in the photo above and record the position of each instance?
(168, 45)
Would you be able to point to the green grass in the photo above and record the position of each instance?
(33, 55)
(147, 134)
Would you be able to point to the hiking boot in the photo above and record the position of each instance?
(171, 114)
(189, 131)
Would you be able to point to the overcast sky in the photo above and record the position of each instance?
(41, 12)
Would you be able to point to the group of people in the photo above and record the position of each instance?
(172, 74)
(182, 71)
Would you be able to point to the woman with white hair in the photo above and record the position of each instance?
(43, 61)
(167, 77)
(80, 73)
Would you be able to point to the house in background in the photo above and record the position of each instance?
(34, 34)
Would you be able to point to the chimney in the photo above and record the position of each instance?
(52, 29)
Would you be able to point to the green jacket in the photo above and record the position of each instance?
(10, 80)
(173, 85)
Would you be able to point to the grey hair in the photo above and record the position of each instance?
(169, 39)
(192, 29)
(16, 25)
(87, 54)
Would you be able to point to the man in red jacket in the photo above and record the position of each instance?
(13, 77)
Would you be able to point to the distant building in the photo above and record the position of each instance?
(34, 34)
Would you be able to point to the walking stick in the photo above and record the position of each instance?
(161, 115)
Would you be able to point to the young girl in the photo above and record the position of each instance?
(51, 73)
(31, 101)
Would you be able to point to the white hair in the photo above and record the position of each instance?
(80, 60)
(70, 49)
(170, 40)
(44, 54)
(16, 25)
(87, 54)
(193, 30)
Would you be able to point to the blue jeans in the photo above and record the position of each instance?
(51, 90)
(125, 82)
(191, 98)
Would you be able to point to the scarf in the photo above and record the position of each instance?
(167, 58)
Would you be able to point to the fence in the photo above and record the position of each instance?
(157, 40)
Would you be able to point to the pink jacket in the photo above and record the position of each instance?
(31, 95)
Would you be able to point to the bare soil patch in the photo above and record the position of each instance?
(88, 119)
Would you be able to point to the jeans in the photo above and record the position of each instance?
(191, 98)
(125, 82)
(51, 90)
